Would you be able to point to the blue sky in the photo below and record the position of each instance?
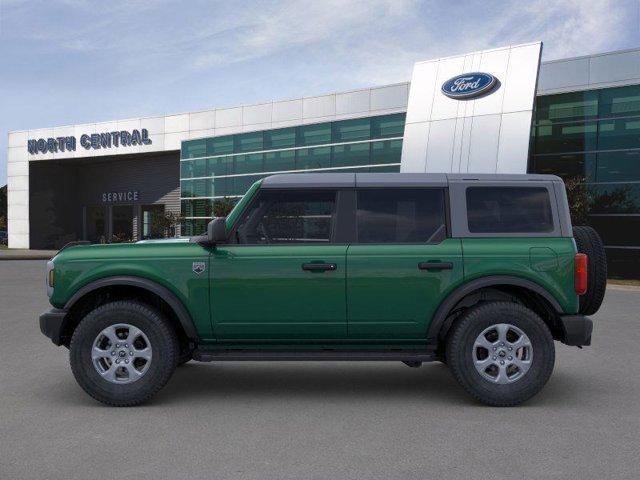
(73, 61)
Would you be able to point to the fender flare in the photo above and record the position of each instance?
(163, 292)
(465, 289)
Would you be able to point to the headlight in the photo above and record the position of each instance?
(50, 279)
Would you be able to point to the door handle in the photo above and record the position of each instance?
(319, 267)
(435, 265)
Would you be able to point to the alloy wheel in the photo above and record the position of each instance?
(502, 353)
(121, 353)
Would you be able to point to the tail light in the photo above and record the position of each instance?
(580, 273)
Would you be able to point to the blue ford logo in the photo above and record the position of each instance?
(468, 85)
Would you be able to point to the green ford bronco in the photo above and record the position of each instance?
(480, 272)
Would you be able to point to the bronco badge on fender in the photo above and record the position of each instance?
(198, 267)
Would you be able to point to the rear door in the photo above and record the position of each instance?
(402, 264)
(285, 276)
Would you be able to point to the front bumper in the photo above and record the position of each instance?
(576, 330)
(51, 323)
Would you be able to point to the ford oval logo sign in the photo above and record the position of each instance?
(468, 85)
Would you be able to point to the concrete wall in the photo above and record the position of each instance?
(486, 134)
(612, 69)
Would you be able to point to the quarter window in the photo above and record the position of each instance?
(288, 217)
(402, 215)
(509, 210)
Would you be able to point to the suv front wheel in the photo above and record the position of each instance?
(501, 353)
(123, 352)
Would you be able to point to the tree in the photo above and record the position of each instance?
(163, 224)
(585, 199)
(580, 199)
(222, 208)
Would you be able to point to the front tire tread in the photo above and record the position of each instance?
(163, 365)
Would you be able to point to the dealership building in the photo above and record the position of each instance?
(115, 181)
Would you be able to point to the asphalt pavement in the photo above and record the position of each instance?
(316, 420)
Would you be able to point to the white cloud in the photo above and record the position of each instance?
(122, 57)
(570, 27)
(376, 39)
(567, 28)
(289, 25)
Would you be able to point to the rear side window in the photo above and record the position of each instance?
(509, 210)
(289, 217)
(401, 215)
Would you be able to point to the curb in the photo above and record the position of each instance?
(619, 286)
(6, 259)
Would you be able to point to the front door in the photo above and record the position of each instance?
(121, 223)
(402, 265)
(95, 224)
(283, 277)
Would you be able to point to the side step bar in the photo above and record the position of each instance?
(313, 355)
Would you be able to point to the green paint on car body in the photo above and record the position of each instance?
(260, 295)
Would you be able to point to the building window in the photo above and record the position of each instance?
(567, 107)
(194, 148)
(351, 154)
(570, 137)
(593, 139)
(280, 161)
(248, 142)
(352, 130)
(220, 145)
(153, 223)
(619, 102)
(570, 165)
(388, 151)
(314, 134)
(388, 126)
(231, 164)
(122, 223)
(618, 166)
(313, 158)
(280, 138)
(96, 224)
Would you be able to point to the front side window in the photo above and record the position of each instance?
(402, 215)
(289, 217)
(509, 210)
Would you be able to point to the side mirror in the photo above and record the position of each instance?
(217, 230)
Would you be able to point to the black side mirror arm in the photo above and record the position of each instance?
(217, 231)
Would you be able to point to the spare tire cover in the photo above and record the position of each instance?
(588, 242)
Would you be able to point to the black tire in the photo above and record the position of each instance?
(588, 242)
(185, 355)
(164, 353)
(460, 348)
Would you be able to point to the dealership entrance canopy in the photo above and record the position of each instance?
(497, 111)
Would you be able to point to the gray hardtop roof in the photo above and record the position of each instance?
(346, 180)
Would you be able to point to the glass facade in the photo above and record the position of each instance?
(593, 138)
(220, 168)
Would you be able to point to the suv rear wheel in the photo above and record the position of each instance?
(123, 352)
(589, 242)
(501, 353)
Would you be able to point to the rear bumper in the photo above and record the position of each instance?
(576, 330)
(51, 323)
